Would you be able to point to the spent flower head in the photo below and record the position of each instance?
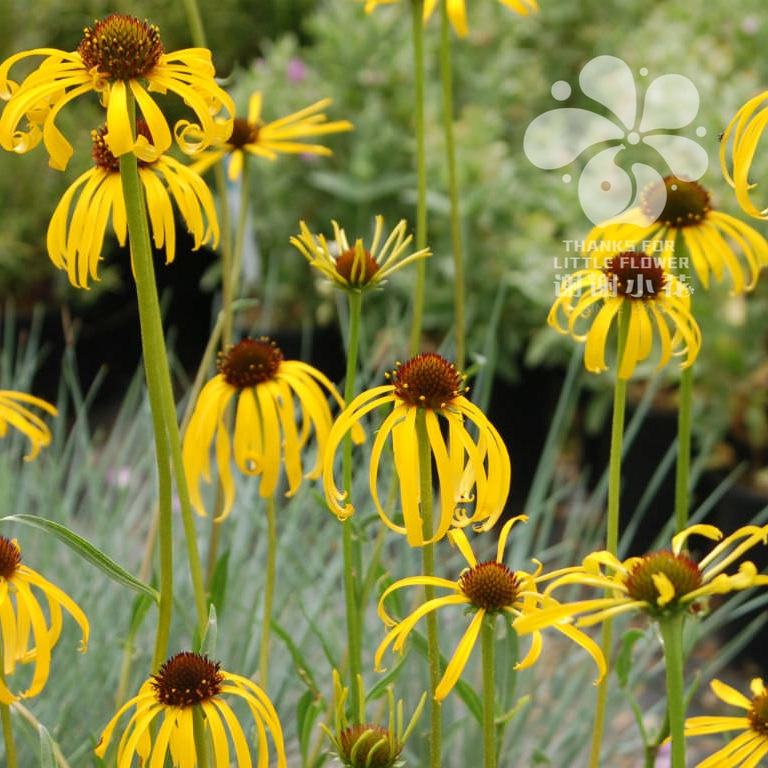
(268, 140)
(185, 682)
(486, 589)
(715, 241)
(15, 411)
(659, 307)
(265, 388)
(27, 636)
(77, 228)
(356, 268)
(427, 387)
(123, 60)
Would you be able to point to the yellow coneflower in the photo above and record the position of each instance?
(659, 305)
(430, 384)
(14, 412)
(282, 136)
(27, 636)
(677, 208)
(357, 268)
(748, 748)
(484, 588)
(184, 682)
(660, 583)
(118, 56)
(76, 230)
(265, 387)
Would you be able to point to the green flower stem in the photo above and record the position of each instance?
(5, 717)
(417, 11)
(487, 647)
(612, 529)
(351, 542)
(155, 362)
(201, 742)
(683, 448)
(428, 565)
(163, 407)
(446, 72)
(10, 747)
(197, 30)
(671, 628)
(269, 592)
(236, 267)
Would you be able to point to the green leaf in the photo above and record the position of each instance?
(624, 656)
(302, 667)
(219, 582)
(47, 749)
(307, 710)
(87, 551)
(208, 643)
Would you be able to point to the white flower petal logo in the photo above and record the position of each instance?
(606, 190)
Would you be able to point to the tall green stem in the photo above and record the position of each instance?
(683, 448)
(269, 592)
(10, 747)
(446, 71)
(417, 10)
(163, 407)
(612, 528)
(198, 732)
(5, 718)
(155, 363)
(487, 646)
(428, 566)
(351, 543)
(671, 628)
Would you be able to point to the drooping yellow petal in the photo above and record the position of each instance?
(460, 657)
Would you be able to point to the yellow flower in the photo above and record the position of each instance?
(742, 137)
(117, 57)
(659, 583)
(265, 386)
(429, 384)
(76, 232)
(713, 239)
(13, 411)
(357, 268)
(457, 11)
(267, 140)
(184, 682)
(486, 588)
(25, 621)
(748, 748)
(644, 288)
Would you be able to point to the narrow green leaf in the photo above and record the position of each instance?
(219, 582)
(624, 656)
(47, 751)
(208, 643)
(87, 551)
(302, 667)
